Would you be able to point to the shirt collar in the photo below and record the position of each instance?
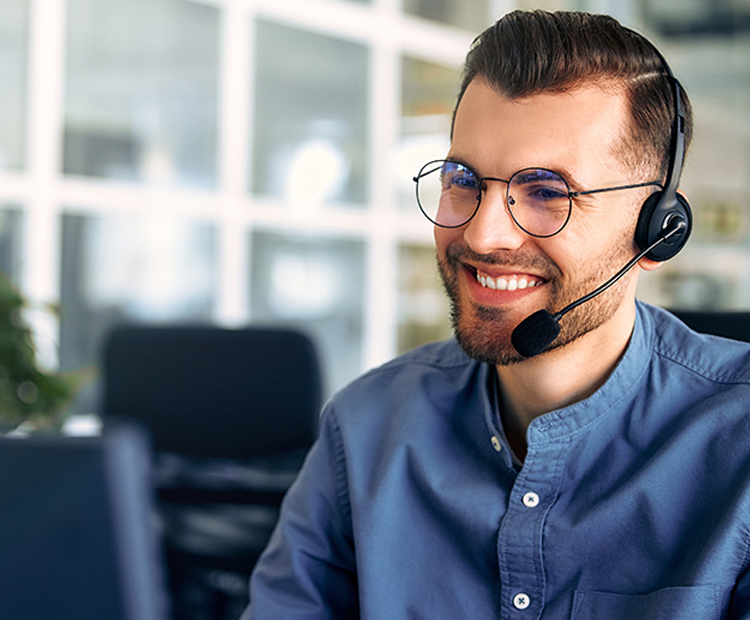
(561, 423)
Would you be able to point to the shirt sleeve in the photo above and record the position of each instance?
(307, 572)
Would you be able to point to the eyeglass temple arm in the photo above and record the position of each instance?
(614, 189)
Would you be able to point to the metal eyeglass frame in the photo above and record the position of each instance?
(508, 199)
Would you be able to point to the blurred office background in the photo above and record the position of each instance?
(250, 162)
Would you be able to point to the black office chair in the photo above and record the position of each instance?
(231, 414)
(733, 324)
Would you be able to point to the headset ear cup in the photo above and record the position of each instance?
(654, 218)
(644, 220)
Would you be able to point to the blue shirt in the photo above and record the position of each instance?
(631, 504)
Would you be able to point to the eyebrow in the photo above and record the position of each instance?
(527, 175)
(570, 179)
(462, 161)
(574, 185)
(564, 172)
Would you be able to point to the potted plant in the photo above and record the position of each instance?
(28, 394)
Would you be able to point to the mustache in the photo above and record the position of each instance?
(510, 259)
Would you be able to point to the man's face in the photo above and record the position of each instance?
(574, 134)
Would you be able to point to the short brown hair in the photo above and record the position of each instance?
(529, 52)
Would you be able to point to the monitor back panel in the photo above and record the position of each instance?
(77, 536)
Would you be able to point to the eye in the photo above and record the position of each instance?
(457, 176)
(465, 181)
(540, 186)
(547, 193)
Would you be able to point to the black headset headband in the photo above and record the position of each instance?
(663, 208)
(677, 142)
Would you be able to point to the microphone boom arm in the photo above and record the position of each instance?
(676, 227)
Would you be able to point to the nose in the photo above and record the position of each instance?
(492, 228)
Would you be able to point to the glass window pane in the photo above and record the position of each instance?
(14, 34)
(128, 269)
(428, 95)
(423, 309)
(469, 14)
(141, 91)
(10, 241)
(310, 125)
(708, 50)
(317, 285)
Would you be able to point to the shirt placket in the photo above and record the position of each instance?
(520, 537)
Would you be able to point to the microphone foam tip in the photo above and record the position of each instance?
(535, 333)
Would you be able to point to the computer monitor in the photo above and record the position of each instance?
(77, 529)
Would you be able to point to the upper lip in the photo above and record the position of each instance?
(504, 272)
(502, 264)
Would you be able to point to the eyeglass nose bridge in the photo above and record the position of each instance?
(509, 200)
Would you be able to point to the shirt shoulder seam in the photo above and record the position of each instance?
(733, 376)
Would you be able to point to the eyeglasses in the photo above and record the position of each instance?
(539, 200)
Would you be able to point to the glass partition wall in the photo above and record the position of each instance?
(250, 162)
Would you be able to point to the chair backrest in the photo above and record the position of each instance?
(212, 392)
(733, 324)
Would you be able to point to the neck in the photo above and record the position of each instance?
(563, 376)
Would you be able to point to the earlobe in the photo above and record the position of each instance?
(649, 265)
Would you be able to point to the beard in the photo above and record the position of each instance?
(484, 332)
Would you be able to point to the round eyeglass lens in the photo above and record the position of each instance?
(539, 201)
(448, 193)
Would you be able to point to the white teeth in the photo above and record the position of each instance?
(505, 284)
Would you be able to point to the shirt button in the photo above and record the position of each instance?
(521, 601)
(531, 500)
(496, 444)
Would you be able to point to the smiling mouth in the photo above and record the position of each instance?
(508, 282)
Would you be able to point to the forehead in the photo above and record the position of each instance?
(577, 131)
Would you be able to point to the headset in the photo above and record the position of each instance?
(666, 207)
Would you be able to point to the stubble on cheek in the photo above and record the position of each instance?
(484, 332)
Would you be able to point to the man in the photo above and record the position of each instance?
(606, 475)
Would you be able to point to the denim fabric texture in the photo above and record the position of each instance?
(631, 504)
